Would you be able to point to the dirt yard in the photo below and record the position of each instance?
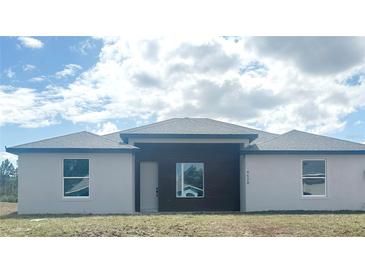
(254, 224)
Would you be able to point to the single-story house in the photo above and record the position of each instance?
(190, 164)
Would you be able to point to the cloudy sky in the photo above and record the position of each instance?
(51, 86)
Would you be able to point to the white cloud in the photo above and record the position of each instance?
(11, 157)
(27, 107)
(28, 67)
(105, 128)
(9, 73)
(83, 47)
(30, 42)
(37, 79)
(69, 70)
(313, 55)
(216, 78)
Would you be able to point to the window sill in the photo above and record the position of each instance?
(314, 197)
(201, 197)
(76, 199)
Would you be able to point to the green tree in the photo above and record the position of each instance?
(7, 168)
(8, 182)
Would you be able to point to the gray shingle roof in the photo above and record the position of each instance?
(80, 141)
(292, 141)
(263, 136)
(296, 140)
(190, 126)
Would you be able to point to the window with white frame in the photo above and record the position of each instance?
(76, 178)
(314, 178)
(189, 180)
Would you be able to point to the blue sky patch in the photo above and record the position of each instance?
(51, 86)
(254, 67)
(355, 80)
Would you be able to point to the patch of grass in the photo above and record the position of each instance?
(10, 198)
(260, 224)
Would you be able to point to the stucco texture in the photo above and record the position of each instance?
(111, 184)
(274, 182)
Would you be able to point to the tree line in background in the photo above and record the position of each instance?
(8, 182)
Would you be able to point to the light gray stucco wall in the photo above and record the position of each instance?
(274, 183)
(111, 184)
(242, 183)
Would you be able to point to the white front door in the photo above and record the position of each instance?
(149, 186)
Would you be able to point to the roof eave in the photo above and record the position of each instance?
(250, 137)
(301, 152)
(16, 151)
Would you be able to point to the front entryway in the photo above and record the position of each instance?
(149, 186)
(221, 177)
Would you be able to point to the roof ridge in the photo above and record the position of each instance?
(47, 139)
(314, 134)
(145, 126)
(101, 136)
(274, 138)
(195, 122)
(234, 125)
(334, 138)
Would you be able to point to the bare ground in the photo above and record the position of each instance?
(256, 224)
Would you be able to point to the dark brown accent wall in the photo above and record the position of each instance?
(221, 175)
